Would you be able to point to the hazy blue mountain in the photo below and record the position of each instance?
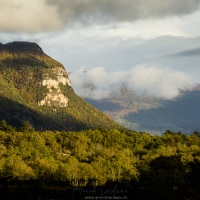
(153, 114)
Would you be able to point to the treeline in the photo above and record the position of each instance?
(165, 166)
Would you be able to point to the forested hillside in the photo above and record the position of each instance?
(36, 88)
(145, 166)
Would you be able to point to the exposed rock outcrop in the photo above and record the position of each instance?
(54, 95)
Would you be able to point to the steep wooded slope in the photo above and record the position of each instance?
(36, 88)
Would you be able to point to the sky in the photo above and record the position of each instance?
(152, 46)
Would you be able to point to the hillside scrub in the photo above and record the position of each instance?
(147, 164)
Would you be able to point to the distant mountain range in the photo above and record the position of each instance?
(36, 88)
(153, 114)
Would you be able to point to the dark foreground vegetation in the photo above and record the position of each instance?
(98, 164)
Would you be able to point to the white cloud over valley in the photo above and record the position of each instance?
(144, 80)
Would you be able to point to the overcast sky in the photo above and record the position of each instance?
(151, 45)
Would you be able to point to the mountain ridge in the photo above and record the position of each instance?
(19, 46)
(35, 86)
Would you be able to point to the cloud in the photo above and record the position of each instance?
(156, 81)
(98, 79)
(144, 80)
(121, 11)
(189, 52)
(28, 16)
(45, 15)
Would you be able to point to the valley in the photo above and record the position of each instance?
(151, 114)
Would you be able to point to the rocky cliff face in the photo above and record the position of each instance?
(54, 96)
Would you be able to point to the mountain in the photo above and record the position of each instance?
(36, 88)
(180, 114)
(152, 114)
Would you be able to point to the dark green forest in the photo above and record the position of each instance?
(146, 166)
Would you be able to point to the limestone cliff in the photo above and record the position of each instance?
(54, 96)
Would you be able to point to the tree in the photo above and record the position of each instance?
(27, 127)
(164, 174)
(3, 125)
(14, 167)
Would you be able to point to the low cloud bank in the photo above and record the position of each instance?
(144, 80)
